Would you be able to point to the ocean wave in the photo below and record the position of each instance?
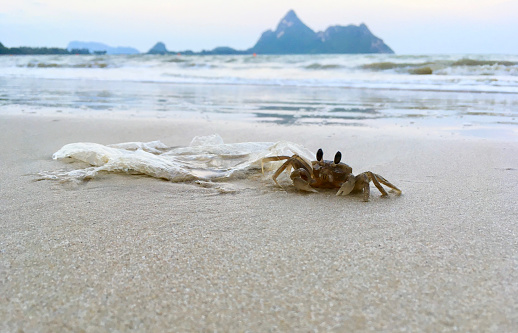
(174, 60)
(464, 66)
(64, 65)
(484, 73)
(323, 66)
(472, 62)
(425, 70)
(386, 65)
(417, 69)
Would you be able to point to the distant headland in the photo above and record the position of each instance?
(291, 36)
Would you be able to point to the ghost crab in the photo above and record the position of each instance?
(328, 174)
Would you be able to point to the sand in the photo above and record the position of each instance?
(134, 253)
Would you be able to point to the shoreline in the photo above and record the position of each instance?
(399, 128)
(387, 87)
(128, 252)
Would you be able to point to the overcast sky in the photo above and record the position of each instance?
(407, 26)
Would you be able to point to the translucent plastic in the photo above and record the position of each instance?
(206, 158)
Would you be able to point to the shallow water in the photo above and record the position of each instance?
(470, 95)
(491, 115)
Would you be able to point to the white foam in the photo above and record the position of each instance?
(306, 71)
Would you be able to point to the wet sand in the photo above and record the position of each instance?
(127, 252)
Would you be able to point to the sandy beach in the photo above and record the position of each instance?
(134, 253)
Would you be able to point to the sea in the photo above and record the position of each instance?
(470, 95)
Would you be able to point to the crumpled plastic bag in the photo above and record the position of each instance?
(207, 158)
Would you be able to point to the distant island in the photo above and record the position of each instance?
(39, 50)
(94, 47)
(160, 48)
(292, 36)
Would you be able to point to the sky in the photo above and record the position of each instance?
(407, 26)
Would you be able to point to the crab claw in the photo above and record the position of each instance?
(303, 185)
(347, 187)
(302, 180)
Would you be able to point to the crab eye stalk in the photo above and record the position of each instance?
(338, 157)
(320, 155)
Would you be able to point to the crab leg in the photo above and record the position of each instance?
(305, 165)
(280, 170)
(374, 179)
(387, 183)
(362, 183)
(271, 159)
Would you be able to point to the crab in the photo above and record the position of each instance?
(329, 175)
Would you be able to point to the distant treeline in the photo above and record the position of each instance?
(40, 50)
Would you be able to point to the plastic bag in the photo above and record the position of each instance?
(207, 158)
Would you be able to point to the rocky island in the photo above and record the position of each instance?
(292, 36)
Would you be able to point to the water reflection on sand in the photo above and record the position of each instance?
(481, 114)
